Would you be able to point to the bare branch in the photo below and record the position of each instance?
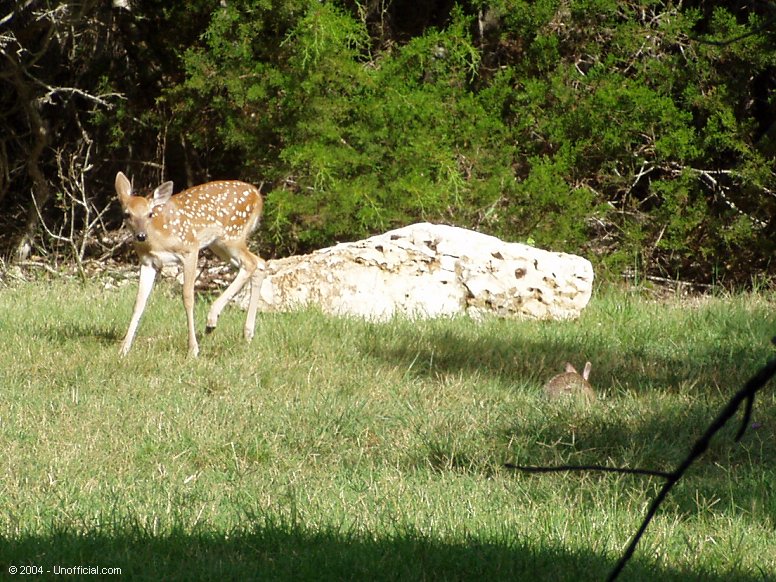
(708, 176)
(8, 17)
(99, 99)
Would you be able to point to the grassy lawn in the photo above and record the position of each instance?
(335, 449)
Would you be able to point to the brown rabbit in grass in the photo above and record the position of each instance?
(570, 383)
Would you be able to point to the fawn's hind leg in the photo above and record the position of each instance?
(248, 263)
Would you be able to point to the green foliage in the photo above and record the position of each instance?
(591, 127)
(638, 131)
(375, 145)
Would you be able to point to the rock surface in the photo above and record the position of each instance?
(430, 270)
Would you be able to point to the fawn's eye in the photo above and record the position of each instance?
(151, 214)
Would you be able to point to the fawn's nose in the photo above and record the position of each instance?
(140, 237)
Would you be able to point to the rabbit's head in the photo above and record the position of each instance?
(585, 373)
(571, 383)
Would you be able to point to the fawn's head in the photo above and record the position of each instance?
(139, 210)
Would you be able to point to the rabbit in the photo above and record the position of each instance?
(570, 383)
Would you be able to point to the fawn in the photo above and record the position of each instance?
(172, 229)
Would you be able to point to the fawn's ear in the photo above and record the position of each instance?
(123, 186)
(570, 369)
(586, 371)
(162, 194)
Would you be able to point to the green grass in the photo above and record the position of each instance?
(335, 449)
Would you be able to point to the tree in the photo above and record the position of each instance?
(38, 37)
(637, 133)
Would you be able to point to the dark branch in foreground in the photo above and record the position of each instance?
(746, 394)
(602, 468)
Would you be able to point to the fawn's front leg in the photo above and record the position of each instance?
(145, 284)
(189, 276)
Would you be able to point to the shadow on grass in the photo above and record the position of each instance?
(73, 330)
(290, 553)
(739, 474)
(502, 352)
(517, 361)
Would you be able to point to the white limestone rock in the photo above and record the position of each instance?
(430, 270)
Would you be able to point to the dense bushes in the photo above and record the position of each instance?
(637, 133)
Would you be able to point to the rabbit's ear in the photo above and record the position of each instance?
(570, 369)
(586, 371)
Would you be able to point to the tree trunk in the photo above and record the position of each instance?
(41, 192)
